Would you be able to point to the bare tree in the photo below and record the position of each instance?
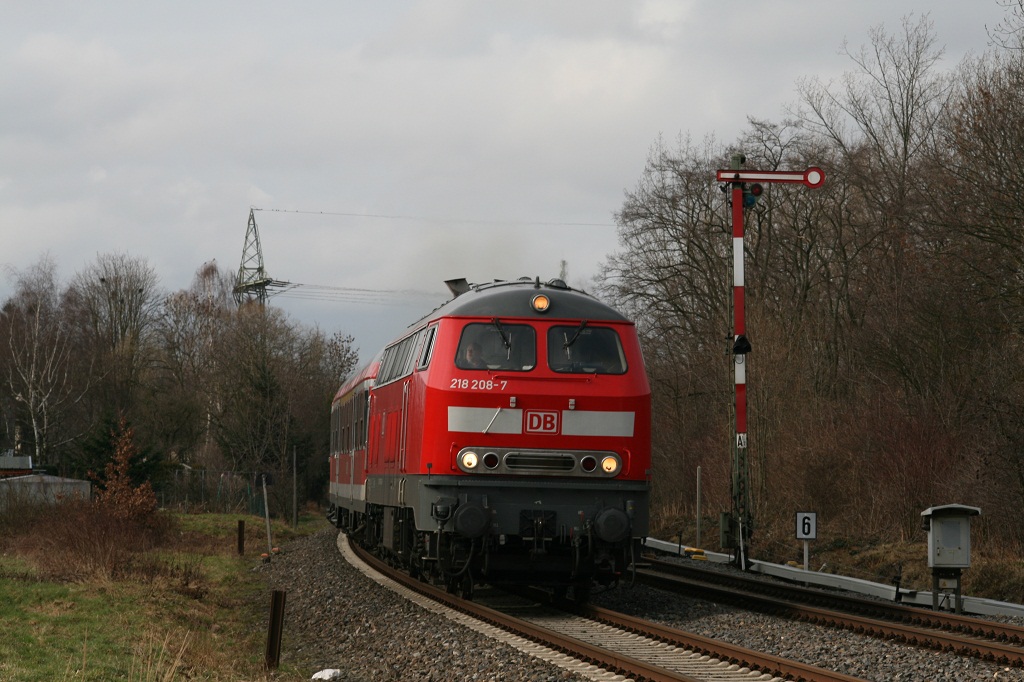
(38, 360)
(1009, 33)
(115, 301)
(672, 275)
(882, 121)
(883, 115)
(857, 326)
(671, 271)
(318, 367)
(183, 393)
(252, 360)
(979, 164)
(981, 161)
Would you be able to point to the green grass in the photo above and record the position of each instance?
(224, 529)
(190, 608)
(55, 631)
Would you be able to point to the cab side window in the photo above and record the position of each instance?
(585, 350)
(497, 346)
(428, 348)
(398, 359)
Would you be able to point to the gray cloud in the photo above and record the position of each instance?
(151, 129)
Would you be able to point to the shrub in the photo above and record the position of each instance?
(116, 494)
(78, 540)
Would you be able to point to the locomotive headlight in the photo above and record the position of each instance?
(610, 465)
(541, 303)
(470, 459)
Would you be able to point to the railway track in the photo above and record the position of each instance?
(963, 635)
(605, 645)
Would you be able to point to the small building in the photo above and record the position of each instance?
(41, 489)
(14, 466)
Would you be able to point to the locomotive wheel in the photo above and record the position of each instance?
(461, 586)
(417, 567)
(581, 592)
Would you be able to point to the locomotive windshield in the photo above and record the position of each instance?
(584, 349)
(495, 345)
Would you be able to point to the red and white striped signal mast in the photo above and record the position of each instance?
(736, 527)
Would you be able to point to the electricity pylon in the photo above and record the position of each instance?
(252, 281)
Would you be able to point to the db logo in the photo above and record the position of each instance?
(542, 422)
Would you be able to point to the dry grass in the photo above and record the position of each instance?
(88, 596)
(995, 573)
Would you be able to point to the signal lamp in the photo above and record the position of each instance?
(588, 464)
(610, 465)
(541, 303)
(491, 460)
(751, 194)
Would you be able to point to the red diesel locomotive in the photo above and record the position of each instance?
(504, 439)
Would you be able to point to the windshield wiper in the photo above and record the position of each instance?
(575, 336)
(504, 334)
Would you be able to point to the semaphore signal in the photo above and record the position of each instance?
(736, 526)
(813, 177)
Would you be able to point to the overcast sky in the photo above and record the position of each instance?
(391, 145)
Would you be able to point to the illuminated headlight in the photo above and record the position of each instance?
(541, 303)
(610, 465)
(470, 460)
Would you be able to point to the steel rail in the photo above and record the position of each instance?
(1003, 654)
(969, 625)
(603, 658)
(767, 663)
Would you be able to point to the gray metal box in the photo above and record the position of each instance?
(949, 535)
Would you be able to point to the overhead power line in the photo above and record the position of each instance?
(252, 276)
(468, 221)
(253, 284)
(314, 292)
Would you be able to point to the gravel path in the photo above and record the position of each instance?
(338, 618)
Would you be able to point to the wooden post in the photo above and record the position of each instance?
(266, 515)
(275, 630)
(699, 512)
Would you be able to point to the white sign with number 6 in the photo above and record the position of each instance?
(806, 526)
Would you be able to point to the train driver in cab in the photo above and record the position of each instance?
(472, 357)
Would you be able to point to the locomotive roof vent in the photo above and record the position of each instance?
(557, 283)
(458, 286)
